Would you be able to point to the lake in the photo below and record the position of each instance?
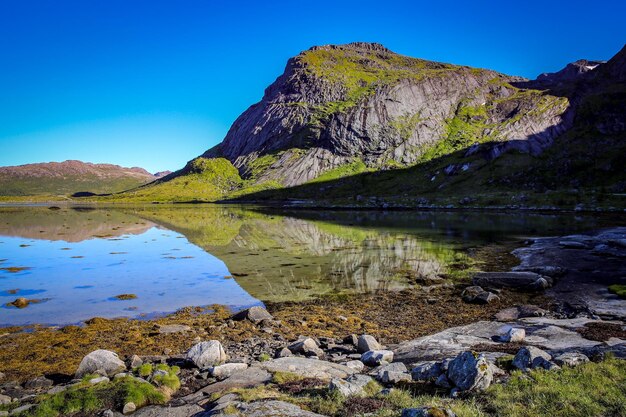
(72, 262)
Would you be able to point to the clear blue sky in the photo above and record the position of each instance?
(155, 83)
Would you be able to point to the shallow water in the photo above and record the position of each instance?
(77, 260)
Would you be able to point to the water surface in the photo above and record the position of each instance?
(77, 260)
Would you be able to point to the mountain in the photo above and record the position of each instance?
(69, 177)
(359, 119)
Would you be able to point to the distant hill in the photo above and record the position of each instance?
(70, 177)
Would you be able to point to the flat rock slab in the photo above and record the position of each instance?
(274, 409)
(545, 333)
(516, 280)
(243, 379)
(308, 368)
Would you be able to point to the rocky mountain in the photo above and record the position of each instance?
(359, 119)
(69, 177)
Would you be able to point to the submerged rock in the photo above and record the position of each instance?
(100, 360)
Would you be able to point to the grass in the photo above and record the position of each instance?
(619, 290)
(591, 389)
(88, 399)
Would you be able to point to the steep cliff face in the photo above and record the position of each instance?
(366, 107)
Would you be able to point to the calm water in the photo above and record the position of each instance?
(76, 260)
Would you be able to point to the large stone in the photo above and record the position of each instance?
(428, 412)
(427, 371)
(377, 357)
(308, 368)
(228, 369)
(514, 335)
(352, 386)
(357, 365)
(100, 361)
(207, 354)
(366, 342)
(306, 346)
(273, 409)
(165, 411)
(530, 357)
(470, 372)
(525, 281)
(254, 314)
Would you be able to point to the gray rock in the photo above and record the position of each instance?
(173, 328)
(514, 335)
(283, 353)
(207, 354)
(352, 386)
(135, 362)
(485, 297)
(529, 357)
(4, 399)
(427, 412)
(307, 346)
(545, 364)
(357, 365)
(351, 339)
(228, 369)
(100, 360)
(395, 377)
(254, 314)
(99, 380)
(525, 281)
(377, 357)
(519, 312)
(443, 382)
(427, 371)
(129, 407)
(571, 359)
(21, 409)
(308, 368)
(468, 372)
(366, 342)
(273, 409)
(39, 382)
(471, 292)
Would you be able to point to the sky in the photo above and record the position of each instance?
(155, 83)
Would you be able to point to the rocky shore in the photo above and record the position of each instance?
(272, 363)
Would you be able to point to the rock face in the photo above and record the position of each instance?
(337, 104)
(100, 360)
(207, 354)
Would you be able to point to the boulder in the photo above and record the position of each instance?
(162, 411)
(470, 372)
(254, 314)
(523, 281)
(352, 386)
(4, 399)
(514, 335)
(530, 357)
(366, 342)
(427, 371)
(207, 354)
(101, 360)
(283, 353)
(377, 357)
(351, 339)
(357, 365)
(306, 346)
(226, 370)
(471, 292)
(428, 412)
(395, 377)
(135, 361)
(485, 297)
(571, 359)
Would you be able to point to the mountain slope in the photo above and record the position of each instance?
(344, 122)
(69, 177)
